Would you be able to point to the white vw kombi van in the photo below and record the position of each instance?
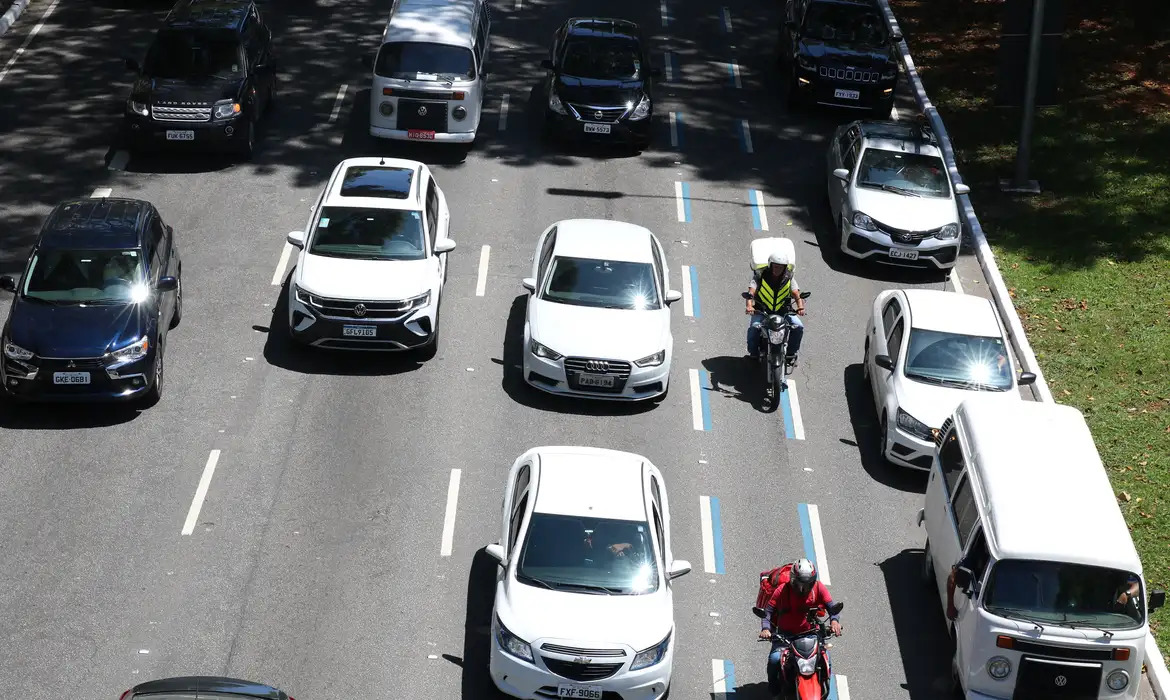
(1048, 599)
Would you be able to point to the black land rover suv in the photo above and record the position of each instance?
(840, 53)
(207, 78)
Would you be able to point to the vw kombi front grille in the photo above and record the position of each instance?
(424, 115)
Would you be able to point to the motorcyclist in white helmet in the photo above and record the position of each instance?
(769, 291)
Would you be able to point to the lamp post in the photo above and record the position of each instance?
(1020, 182)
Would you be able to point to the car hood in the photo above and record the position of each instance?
(184, 92)
(365, 280)
(904, 212)
(933, 404)
(601, 93)
(76, 331)
(584, 620)
(585, 331)
(858, 55)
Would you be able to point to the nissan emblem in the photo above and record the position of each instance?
(422, 111)
(598, 115)
(359, 310)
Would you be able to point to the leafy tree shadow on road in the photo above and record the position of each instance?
(867, 436)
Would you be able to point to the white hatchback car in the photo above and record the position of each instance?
(891, 195)
(373, 259)
(925, 351)
(598, 317)
(584, 603)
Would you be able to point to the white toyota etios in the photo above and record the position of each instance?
(584, 606)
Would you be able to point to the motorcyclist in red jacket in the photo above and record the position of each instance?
(786, 613)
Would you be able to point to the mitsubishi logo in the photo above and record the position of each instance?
(72, 363)
(359, 310)
(598, 114)
(1060, 681)
(422, 111)
(597, 366)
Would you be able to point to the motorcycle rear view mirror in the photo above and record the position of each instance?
(805, 295)
(836, 608)
(745, 295)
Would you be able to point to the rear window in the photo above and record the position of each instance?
(411, 60)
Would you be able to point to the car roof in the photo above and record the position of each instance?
(951, 312)
(98, 223)
(906, 136)
(208, 14)
(1043, 485)
(603, 27)
(602, 238)
(446, 22)
(376, 183)
(210, 684)
(591, 482)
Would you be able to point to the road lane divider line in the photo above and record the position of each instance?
(711, 519)
(814, 541)
(690, 290)
(27, 40)
(285, 254)
(700, 402)
(839, 688)
(790, 407)
(518, 5)
(733, 71)
(722, 679)
(954, 279)
(338, 101)
(894, 112)
(759, 215)
(682, 200)
(726, 20)
(201, 492)
(481, 279)
(675, 123)
(119, 161)
(504, 112)
(668, 67)
(664, 13)
(449, 515)
(101, 192)
(745, 136)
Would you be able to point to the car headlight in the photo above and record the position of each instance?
(543, 351)
(652, 360)
(805, 62)
(16, 352)
(554, 102)
(226, 109)
(949, 232)
(136, 107)
(998, 667)
(418, 302)
(651, 656)
(386, 108)
(642, 110)
(1117, 680)
(890, 73)
(459, 112)
(863, 222)
(512, 644)
(912, 425)
(131, 353)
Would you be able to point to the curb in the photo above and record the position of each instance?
(11, 16)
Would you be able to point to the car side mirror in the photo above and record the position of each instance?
(296, 238)
(963, 579)
(896, 35)
(496, 551)
(678, 568)
(884, 361)
(673, 296)
(8, 283)
(547, 64)
(132, 65)
(841, 174)
(1027, 378)
(1157, 600)
(961, 189)
(805, 295)
(529, 283)
(835, 608)
(167, 284)
(444, 245)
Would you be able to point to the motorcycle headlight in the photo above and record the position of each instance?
(642, 110)
(512, 644)
(418, 302)
(912, 425)
(1117, 680)
(16, 352)
(998, 667)
(651, 656)
(775, 337)
(652, 360)
(806, 667)
(225, 109)
(131, 353)
(863, 222)
(948, 232)
(136, 107)
(554, 102)
(543, 351)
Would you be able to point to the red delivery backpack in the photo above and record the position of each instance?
(769, 582)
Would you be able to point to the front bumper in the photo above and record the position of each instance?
(309, 326)
(568, 128)
(908, 450)
(144, 133)
(876, 245)
(533, 680)
(823, 90)
(125, 383)
(640, 384)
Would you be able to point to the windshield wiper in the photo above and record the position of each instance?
(540, 582)
(926, 378)
(1014, 614)
(590, 587)
(899, 190)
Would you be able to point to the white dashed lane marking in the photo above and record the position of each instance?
(449, 516)
(481, 280)
(504, 112)
(337, 102)
(201, 492)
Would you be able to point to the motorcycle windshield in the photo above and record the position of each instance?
(805, 646)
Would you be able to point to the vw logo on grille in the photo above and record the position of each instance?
(597, 366)
(359, 310)
(1060, 681)
(422, 111)
(598, 114)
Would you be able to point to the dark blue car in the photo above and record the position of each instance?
(92, 310)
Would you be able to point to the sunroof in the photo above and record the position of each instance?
(377, 181)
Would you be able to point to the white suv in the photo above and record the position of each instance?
(891, 195)
(373, 259)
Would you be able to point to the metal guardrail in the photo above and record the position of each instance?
(1156, 669)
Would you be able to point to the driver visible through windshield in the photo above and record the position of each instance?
(86, 277)
(369, 234)
(963, 361)
(192, 55)
(605, 284)
(588, 555)
(906, 173)
(602, 59)
(1067, 594)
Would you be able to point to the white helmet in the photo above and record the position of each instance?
(780, 257)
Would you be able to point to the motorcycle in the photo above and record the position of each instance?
(804, 662)
(774, 331)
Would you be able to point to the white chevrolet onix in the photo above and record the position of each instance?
(584, 604)
(598, 317)
(373, 259)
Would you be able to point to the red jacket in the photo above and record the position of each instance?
(787, 610)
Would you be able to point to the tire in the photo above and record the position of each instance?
(865, 362)
(883, 439)
(927, 572)
(248, 147)
(178, 316)
(428, 352)
(778, 373)
(154, 394)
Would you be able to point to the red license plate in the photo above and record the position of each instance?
(420, 134)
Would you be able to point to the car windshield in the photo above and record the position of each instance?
(589, 555)
(369, 234)
(602, 59)
(962, 361)
(412, 60)
(844, 22)
(910, 173)
(178, 55)
(86, 277)
(603, 283)
(1065, 594)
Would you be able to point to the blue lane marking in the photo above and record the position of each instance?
(731, 73)
(704, 397)
(686, 193)
(743, 146)
(810, 551)
(674, 69)
(832, 680)
(786, 408)
(755, 207)
(729, 674)
(694, 291)
(717, 535)
(678, 128)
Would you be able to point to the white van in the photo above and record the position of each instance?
(1048, 592)
(430, 71)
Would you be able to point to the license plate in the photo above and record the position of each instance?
(71, 377)
(359, 331)
(597, 128)
(847, 94)
(180, 136)
(899, 254)
(600, 380)
(420, 134)
(589, 692)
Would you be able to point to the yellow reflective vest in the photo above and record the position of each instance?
(772, 298)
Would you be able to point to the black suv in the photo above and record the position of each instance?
(840, 53)
(207, 78)
(599, 82)
(92, 310)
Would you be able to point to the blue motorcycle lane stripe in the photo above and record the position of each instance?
(729, 674)
(786, 408)
(810, 551)
(694, 271)
(717, 535)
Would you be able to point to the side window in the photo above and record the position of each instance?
(950, 459)
(977, 555)
(514, 525)
(521, 481)
(844, 141)
(546, 255)
(432, 210)
(894, 345)
(658, 531)
(965, 512)
(889, 313)
(252, 41)
(655, 493)
(849, 158)
(157, 247)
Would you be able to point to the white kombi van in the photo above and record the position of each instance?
(1048, 598)
(430, 71)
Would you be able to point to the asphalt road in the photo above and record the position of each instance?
(315, 563)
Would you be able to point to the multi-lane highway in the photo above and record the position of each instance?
(281, 515)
